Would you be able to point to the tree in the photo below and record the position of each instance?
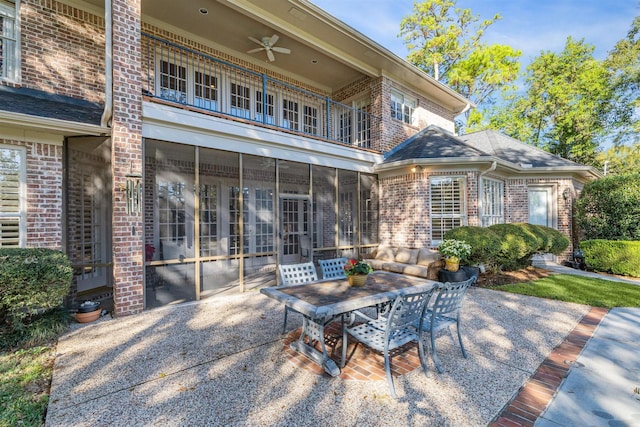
(624, 64)
(609, 208)
(445, 42)
(621, 159)
(567, 105)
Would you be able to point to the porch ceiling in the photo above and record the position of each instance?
(324, 50)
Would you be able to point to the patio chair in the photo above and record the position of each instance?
(444, 313)
(296, 274)
(333, 268)
(387, 334)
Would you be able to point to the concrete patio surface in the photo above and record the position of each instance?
(221, 362)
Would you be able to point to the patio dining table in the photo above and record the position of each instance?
(323, 301)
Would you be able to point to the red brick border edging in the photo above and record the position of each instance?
(533, 398)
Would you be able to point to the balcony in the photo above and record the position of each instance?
(187, 77)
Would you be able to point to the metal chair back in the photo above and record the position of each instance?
(444, 313)
(297, 274)
(387, 334)
(333, 268)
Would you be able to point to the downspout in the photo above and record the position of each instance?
(108, 65)
(491, 169)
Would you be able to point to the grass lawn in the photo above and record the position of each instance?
(580, 290)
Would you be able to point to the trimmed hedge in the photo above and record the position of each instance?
(485, 244)
(509, 246)
(612, 256)
(32, 281)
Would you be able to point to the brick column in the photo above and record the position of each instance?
(126, 150)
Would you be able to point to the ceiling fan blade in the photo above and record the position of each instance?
(274, 38)
(270, 55)
(255, 50)
(281, 49)
(253, 39)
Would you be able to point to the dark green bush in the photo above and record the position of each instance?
(485, 244)
(549, 239)
(612, 256)
(517, 245)
(32, 281)
(609, 208)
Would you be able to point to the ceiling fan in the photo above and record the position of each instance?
(267, 44)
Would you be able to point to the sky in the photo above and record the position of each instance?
(531, 26)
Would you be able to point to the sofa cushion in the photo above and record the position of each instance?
(416, 270)
(406, 255)
(376, 264)
(385, 253)
(427, 256)
(394, 267)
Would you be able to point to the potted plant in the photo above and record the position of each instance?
(454, 251)
(357, 272)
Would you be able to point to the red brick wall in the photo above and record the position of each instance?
(62, 50)
(128, 229)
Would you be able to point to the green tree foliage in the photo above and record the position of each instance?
(617, 256)
(609, 208)
(623, 63)
(567, 106)
(621, 159)
(445, 42)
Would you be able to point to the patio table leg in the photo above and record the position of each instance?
(315, 331)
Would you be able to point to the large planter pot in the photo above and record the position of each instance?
(452, 264)
(88, 317)
(357, 279)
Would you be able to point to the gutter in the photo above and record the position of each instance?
(108, 65)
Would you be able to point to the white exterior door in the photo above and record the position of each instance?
(294, 223)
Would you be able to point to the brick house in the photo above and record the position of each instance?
(176, 151)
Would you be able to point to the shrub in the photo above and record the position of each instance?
(517, 244)
(549, 239)
(612, 256)
(608, 208)
(32, 281)
(485, 244)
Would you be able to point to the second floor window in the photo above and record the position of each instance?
(240, 101)
(12, 205)
(402, 107)
(448, 207)
(8, 41)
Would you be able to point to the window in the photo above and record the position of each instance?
(448, 208)
(240, 101)
(269, 103)
(402, 107)
(290, 114)
(9, 54)
(173, 82)
(12, 205)
(344, 127)
(310, 118)
(206, 91)
(492, 202)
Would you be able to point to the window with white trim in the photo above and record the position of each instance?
(205, 91)
(12, 204)
(290, 114)
(402, 107)
(492, 202)
(240, 100)
(266, 103)
(448, 207)
(9, 54)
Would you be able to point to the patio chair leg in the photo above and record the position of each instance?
(423, 360)
(387, 367)
(344, 343)
(284, 326)
(464, 353)
(434, 355)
